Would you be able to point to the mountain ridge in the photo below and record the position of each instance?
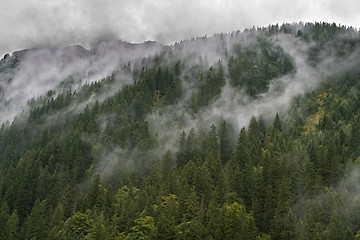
(245, 135)
(76, 47)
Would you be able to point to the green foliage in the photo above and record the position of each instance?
(292, 175)
(208, 87)
(252, 67)
(144, 229)
(77, 227)
(234, 223)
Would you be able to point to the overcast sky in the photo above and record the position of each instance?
(32, 23)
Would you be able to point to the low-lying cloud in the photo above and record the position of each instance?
(237, 108)
(35, 23)
(44, 69)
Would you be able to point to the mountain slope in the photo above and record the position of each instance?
(237, 136)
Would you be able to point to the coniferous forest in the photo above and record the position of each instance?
(253, 134)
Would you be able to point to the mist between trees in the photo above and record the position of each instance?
(245, 135)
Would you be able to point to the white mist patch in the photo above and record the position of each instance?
(344, 198)
(202, 53)
(349, 190)
(116, 159)
(236, 107)
(44, 69)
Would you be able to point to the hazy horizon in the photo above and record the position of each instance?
(63, 23)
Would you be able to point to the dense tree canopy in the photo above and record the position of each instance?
(90, 173)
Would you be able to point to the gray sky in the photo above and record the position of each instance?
(32, 23)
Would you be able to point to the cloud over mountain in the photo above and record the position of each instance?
(37, 23)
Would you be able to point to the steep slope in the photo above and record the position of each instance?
(237, 136)
(33, 72)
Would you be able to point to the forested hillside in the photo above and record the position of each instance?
(243, 135)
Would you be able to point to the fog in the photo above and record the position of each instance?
(235, 106)
(44, 69)
(33, 23)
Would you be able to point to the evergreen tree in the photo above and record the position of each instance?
(277, 123)
(11, 229)
(36, 223)
(283, 224)
(4, 216)
(212, 158)
(181, 159)
(167, 217)
(77, 227)
(225, 143)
